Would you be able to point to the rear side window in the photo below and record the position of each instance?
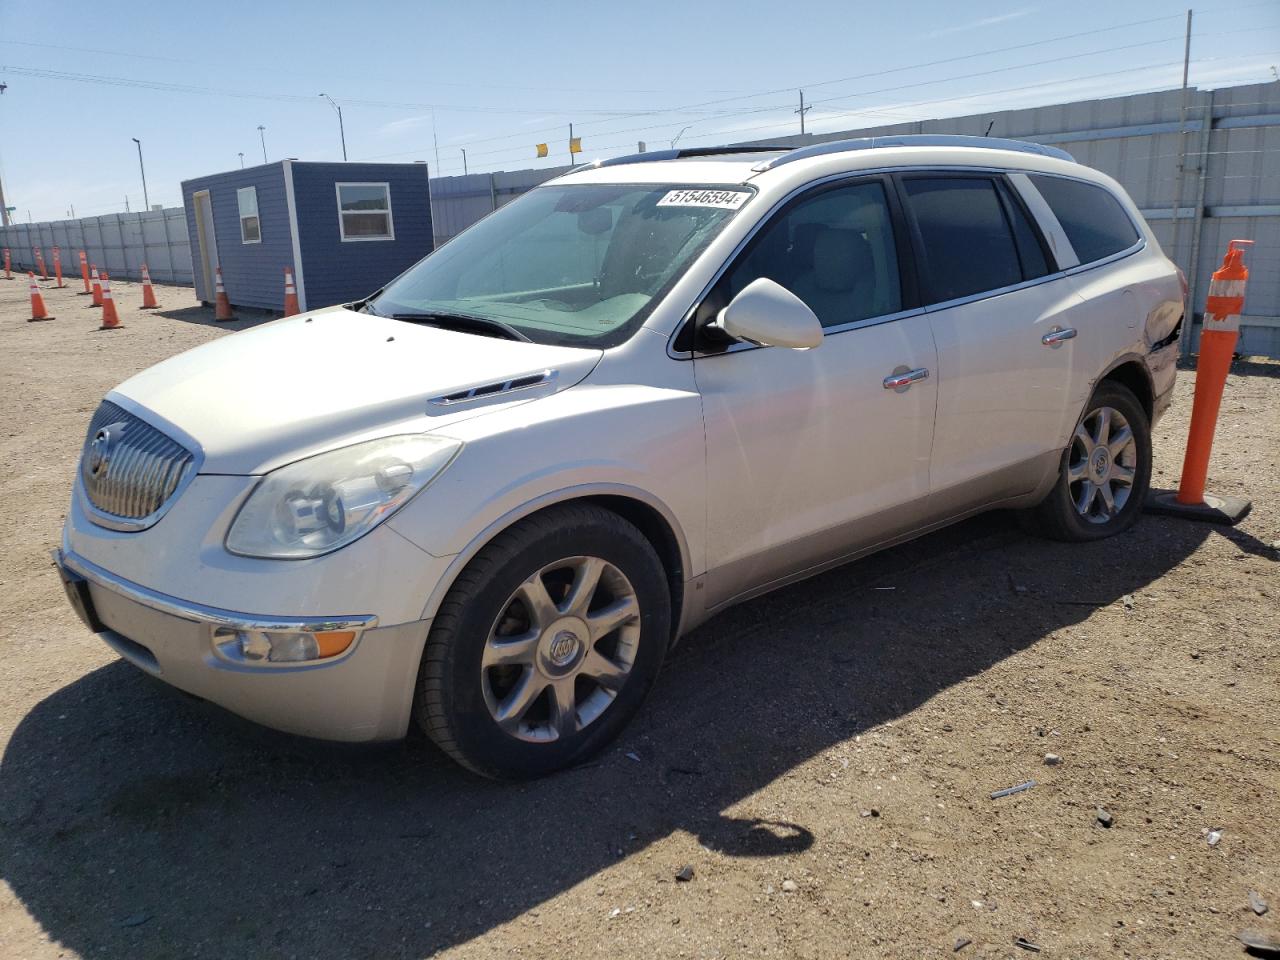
(1091, 217)
(969, 246)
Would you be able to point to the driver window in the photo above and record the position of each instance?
(834, 250)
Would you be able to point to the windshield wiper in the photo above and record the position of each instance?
(464, 321)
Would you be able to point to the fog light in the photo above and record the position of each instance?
(255, 646)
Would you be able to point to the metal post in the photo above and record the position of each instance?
(262, 134)
(341, 132)
(146, 200)
(464, 161)
(571, 154)
(1180, 180)
(241, 156)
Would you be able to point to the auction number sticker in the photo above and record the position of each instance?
(723, 199)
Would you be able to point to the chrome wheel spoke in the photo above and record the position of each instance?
(1122, 474)
(1122, 439)
(517, 703)
(586, 577)
(1082, 436)
(1102, 432)
(604, 671)
(1084, 501)
(542, 610)
(1108, 498)
(1077, 471)
(564, 707)
(604, 621)
(510, 651)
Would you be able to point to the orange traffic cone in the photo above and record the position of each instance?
(1217, 345)
(290, 294)
(57, 265)
(84, 272)
(110, 319)
(221, 305)
(148, 295)
(7, 274)
(38, 312)
(44, 271)
(97, 287)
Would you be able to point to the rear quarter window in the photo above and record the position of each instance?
(1091, 217)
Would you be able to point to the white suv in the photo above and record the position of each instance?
(491, 496)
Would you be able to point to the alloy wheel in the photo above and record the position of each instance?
(1102, 465)
(561, 649)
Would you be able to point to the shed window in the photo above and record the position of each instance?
(250, 227)
(364, 211)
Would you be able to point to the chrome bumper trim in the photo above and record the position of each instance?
(202, 614)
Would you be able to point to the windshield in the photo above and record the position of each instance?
(578, 265)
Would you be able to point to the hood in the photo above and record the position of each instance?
(267, 396)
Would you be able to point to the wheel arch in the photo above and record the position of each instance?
(653, 518)
(1130, 371)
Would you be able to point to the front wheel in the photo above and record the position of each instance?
(1104, 473)
(546, 645)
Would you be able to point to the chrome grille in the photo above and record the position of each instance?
(129, 468)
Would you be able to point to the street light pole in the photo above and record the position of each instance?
(146, 201)
(464, 161)
(341, 132)
(263, 135)
(678, 136)
(241, 156)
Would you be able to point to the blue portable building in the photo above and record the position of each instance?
(344, 229)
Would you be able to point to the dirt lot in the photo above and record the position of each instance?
(822, 757)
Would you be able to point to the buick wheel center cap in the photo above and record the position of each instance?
(1101, 462)
(564, 647)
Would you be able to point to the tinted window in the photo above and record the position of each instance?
(968, 245)
(834, 250)
(1030, 252)
(1092, 218)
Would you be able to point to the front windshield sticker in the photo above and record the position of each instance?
(724, 199)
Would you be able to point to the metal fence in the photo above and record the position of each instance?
(119, 243)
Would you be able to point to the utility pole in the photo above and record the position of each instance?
(126, 203)
(4, 210)
(263, 135)
(341, 132)
(1185, 345)
(802, 111)
(73, 211)
(464, 161)
(146, 200)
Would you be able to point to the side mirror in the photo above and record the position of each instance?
(767, 313)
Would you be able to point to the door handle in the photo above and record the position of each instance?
(901, 381)
(1058, 335)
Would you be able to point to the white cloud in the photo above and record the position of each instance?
(983, 22)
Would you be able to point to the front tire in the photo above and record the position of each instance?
(1104, 473)
(546, 645)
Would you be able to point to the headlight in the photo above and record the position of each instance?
(322, 503)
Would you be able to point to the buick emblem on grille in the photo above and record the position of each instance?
(100, 449)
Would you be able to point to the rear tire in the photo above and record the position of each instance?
(546, 645)
(1104, 473)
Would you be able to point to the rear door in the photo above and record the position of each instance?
(1008, 371)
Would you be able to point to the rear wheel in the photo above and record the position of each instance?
(1104, 473)
(546, 645)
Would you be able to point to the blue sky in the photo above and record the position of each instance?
(495, 78)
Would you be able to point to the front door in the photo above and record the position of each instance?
(206, 260)
(811, 455)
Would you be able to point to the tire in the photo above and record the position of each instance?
(1060, 515)
(504, 656)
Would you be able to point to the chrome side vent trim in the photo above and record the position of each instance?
(485, 390)
(129, 470)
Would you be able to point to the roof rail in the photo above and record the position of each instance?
(686, 152)
(912, 140)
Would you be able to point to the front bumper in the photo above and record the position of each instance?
(365, 693)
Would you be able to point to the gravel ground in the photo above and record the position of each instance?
(822, 758)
